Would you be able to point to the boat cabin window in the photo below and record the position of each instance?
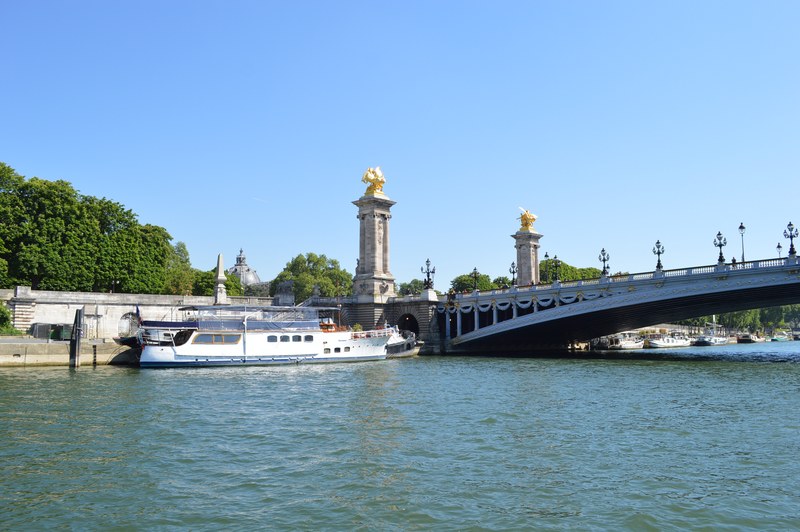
(297, 338)
(327, 350)
(272, 338)
(285, 338)
(308, 338)
(217, 339)
(337, 350)
(346, 349)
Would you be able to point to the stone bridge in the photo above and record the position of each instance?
(526, 319)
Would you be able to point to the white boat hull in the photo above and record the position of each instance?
(265, 336)
(661, 343)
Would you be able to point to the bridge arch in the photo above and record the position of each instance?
(408, 322)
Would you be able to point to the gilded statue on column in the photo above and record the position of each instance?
(526, 220)
(375, 181)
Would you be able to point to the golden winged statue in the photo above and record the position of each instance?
(526, 220)
(375, 181)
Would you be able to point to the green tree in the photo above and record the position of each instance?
(152, 250)
(741, 320)
(413, 287)
(116, 258)
(501, 281)
(771, 317)
(205, 283)
(55, 237)
(10, 208)
(792, 315)
(5, 316)
(547, 272)
(311, 270)
(466, 283)
(179, 273)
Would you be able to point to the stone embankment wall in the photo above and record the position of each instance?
(22, 352)
(103, 312)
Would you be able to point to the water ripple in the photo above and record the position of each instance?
(659, 442)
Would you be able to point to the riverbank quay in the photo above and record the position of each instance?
(22, 352)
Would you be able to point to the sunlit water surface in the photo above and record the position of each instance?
(680, 439)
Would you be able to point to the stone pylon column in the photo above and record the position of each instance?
(373, 281)
(527, 245)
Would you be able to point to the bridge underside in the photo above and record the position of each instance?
(559, 333)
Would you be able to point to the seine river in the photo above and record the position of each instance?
(697, 438)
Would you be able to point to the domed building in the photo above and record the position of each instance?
(247, 275)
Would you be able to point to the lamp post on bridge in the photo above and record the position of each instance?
(556, 264)
(779, 248)
(513, 271)
(475, 275)
(741, 232)
(658, 250)
(428, 283)
(604, 258)
(720, 242)
(547, 266)
(791, 234)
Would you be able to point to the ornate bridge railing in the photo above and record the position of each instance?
(475, 315)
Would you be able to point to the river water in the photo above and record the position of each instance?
(663, 440)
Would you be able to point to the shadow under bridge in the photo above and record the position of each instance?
(525, 319)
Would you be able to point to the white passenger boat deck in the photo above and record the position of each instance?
(236, 336)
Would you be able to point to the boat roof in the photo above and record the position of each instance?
(253, 308)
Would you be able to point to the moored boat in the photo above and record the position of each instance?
(625, 341)
(668, 340)
(710, 339)
(239, 336)
(747, 338)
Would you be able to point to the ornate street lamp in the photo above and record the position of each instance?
(475, 275)
(741, 232)
(791, 234)
(513, 271)
(658, 250)
(114, 284)
(556, 265)
(547, 266)
(720, 242)
(428, 283)
(604, 258)
(779, 248)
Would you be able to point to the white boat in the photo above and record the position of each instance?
(625, 341)
(260, 336)
(747, 338)
(710, 336)
(710, 339)
(671, 340)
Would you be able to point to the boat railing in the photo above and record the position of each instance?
(376, 333)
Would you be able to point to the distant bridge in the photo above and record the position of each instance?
(525, 319)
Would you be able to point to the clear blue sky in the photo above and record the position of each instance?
(249, 124)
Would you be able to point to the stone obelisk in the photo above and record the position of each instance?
(220, 294)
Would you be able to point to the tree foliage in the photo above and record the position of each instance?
(53, 238)
(467, 282)
(310, 270)
(547, 272)
(411, 288)
(205, 283)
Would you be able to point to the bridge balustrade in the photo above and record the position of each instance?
(475, 310)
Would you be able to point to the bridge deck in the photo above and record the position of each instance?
(522, 319)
